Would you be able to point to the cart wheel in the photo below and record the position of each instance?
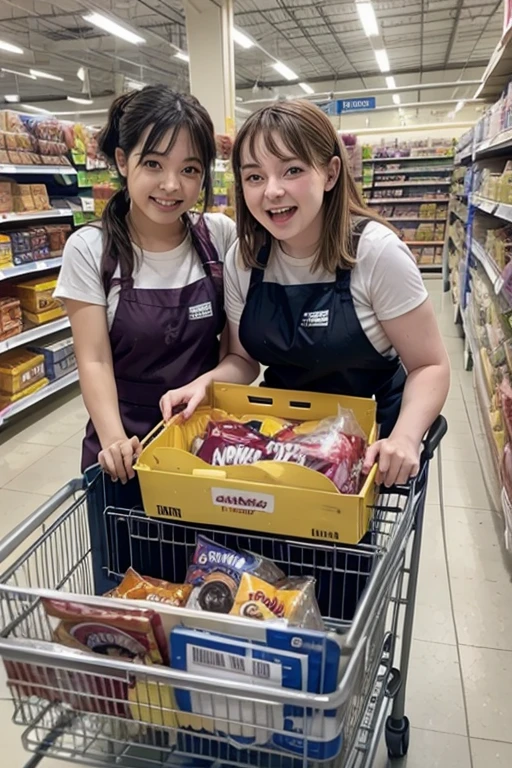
(397, 738)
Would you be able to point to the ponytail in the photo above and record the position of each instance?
(117, 244)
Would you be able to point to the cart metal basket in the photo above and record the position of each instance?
(100, 711)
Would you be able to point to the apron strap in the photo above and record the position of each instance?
(257, 273)
(206, 250)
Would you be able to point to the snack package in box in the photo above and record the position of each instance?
(10, 317)
(59, 356)
(292, 598)
(215, 574)
(40, 318)
(336, 448)
(6, 202)
(127, 633)
(19, 369)
(37, 295)
(57, 235)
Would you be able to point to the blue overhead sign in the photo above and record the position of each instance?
(342, 106)
(355, 105)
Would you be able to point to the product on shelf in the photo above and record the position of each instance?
(59, 356)
(29, 245)
(57, 236)
(11, 323)
(5, 251)
(7, 399)
(36, 295)
(19, 369)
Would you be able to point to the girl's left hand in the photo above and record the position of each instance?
(398, 457)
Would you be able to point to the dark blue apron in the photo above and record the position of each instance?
(311, 339)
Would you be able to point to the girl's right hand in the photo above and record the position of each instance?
(184, 400)
(118, 458)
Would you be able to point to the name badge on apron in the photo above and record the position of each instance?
(315, 319)
(200, 311)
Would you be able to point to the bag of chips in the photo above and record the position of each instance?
(135, 587)
(291, 598)
(216, 571)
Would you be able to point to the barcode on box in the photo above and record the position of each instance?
(233, 664)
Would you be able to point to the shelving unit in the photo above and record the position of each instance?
(27, 402)
(7, 273)
(480, 273)
(23, 218)
(34, 334)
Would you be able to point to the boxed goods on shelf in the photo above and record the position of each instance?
(19, 369)
(11, 323)
(31, 319)
(57, 236)
(59, 356)
(29, 245)
(5, 251)
(37, 295)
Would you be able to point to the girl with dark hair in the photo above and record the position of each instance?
(321, 290)
(143, 289)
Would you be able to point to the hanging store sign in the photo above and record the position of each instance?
(342, 106)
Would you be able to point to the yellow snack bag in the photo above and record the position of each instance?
(292, 598)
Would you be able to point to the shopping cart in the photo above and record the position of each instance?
(100, 711)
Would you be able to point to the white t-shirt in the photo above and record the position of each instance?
(80, 274)
(385, 282)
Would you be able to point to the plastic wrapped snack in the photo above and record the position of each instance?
(216, 571)
(135, 587)
(334, 447)
(291, 598)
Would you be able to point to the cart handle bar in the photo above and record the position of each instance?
(33, 522)
(434, 436)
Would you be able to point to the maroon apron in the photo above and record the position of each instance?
(163, 339)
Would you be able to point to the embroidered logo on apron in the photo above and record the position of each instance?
(315, 319)
(200, 311)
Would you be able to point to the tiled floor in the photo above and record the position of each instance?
(460, 684)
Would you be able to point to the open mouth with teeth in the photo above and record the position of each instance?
(282, 215)
(166, 205)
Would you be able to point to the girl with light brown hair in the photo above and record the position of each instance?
(321, 291)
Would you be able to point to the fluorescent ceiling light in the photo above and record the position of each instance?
(12, 98)
(81, 74)
(111, 26)
(368, 19)
(285, 71)
(242, 40)
(36, 109)
(460, 105)
(306, 88)
(10, 47)
(390, 82)
(382, 59)
(396, 98)
(182, 56)
(80, 101)
(135, 85)
(39, 73)
(20, 74)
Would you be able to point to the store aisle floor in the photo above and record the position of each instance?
(460, 683)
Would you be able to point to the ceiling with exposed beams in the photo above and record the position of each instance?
(321, 41)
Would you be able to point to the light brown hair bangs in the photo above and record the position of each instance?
(308, 135)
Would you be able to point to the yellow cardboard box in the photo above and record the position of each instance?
(270, 497)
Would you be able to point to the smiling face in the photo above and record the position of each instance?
(286, 195)
(164, 183)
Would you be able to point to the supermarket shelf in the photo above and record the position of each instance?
(34, 334)
(430, 243)
(406, 200)
(42, 394)
(29, 268)
(399, 184)
(431, 268)
(56, 213)
(500, 210)
(458, 246)
(499, 145)
(463, 155)
(459, 215)
(39, 170)
(405, 159)
(416, 218)
(491, 268)
(497, 74)
(436, 168)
